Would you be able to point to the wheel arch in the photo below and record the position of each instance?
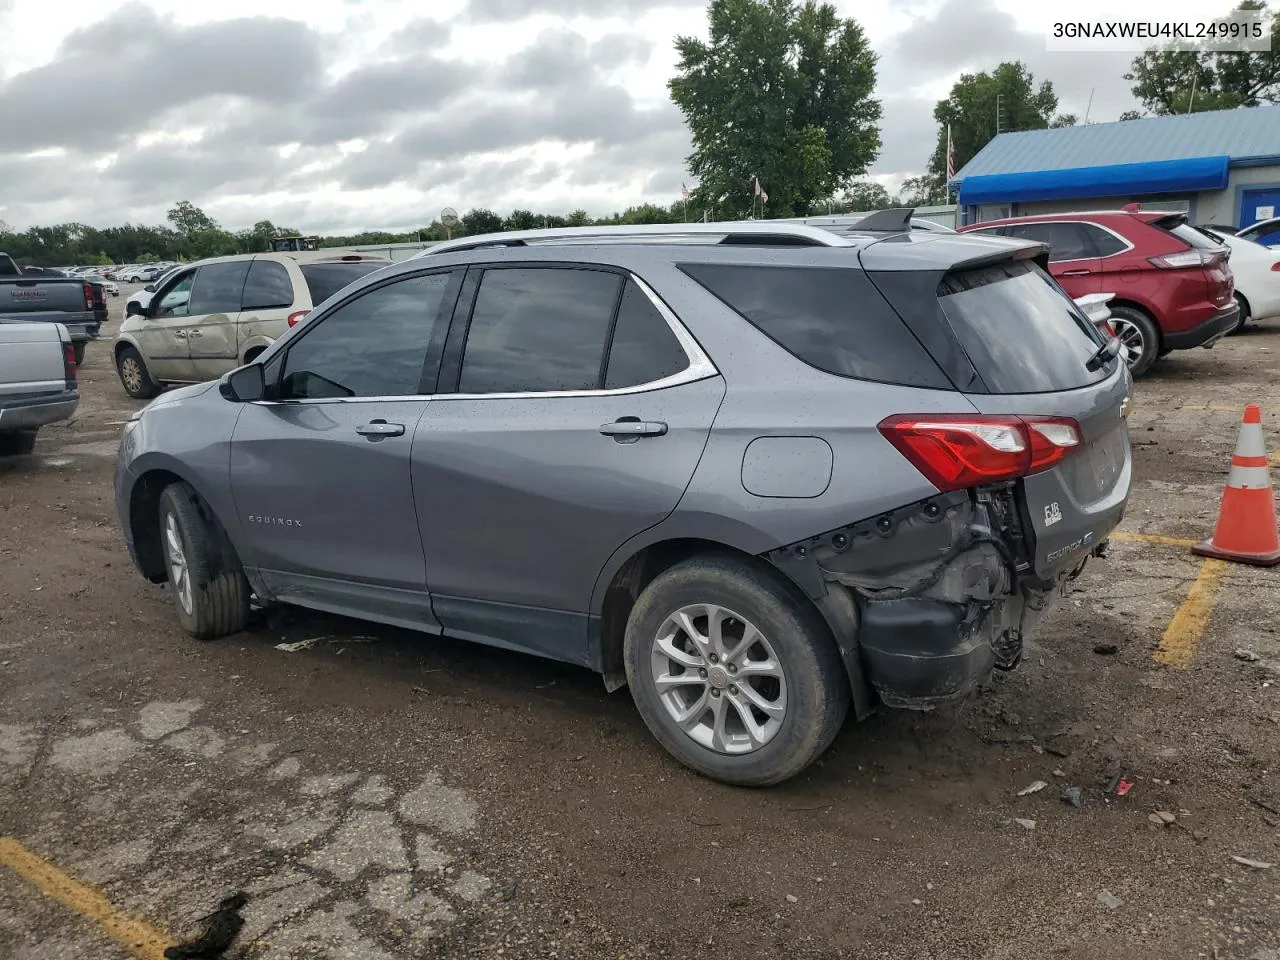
(1140, 308)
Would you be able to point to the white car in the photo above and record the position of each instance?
(143, 297)
(1257, 272)
(108, 285)
(1265, 232)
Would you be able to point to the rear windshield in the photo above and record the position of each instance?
(326, 279)
(831, 318)
(1021, 332)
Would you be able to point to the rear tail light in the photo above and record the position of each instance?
(957, 452)
(1188, 258)
(297, 318)
(1275, 267)
(88, 296)
(69, 365)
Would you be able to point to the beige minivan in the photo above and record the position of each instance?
(218, 314)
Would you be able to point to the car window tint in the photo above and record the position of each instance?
(372, 346)
(1066, 240)
(326, 279)
(175, 301)
(538, 330)
(1020, 331)
(1105, 243)
(217, 288)
(268, 287)
(831, 318)
(991, 231)
(644, 348)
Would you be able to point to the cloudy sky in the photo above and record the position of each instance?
(340, 115)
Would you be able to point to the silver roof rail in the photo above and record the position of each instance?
(746, 232)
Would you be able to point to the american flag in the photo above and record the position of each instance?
(951, 158)
(764, 197)
(684, 191)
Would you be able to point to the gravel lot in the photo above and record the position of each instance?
(380, 795)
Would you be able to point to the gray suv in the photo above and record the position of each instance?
(761, 474)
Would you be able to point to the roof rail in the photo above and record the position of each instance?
(758, 232)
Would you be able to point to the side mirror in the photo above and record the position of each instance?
(134, 309)
(244, 385)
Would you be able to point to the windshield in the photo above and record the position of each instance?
(1196, 238)
(1022, 333)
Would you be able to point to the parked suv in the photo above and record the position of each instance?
(1172, 284)
(756, 472)
(214, 315)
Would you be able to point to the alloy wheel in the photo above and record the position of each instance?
(719, 679)
(179, 569)
(1131, 339)
(131, 374)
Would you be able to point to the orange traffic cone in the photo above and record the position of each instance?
(1246, 530)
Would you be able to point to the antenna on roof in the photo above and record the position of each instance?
(895, 220)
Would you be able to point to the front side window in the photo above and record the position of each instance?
(539, 329)
(372, 346)
(217, 288)
(176, 301)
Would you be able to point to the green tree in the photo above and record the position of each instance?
(189, 219)
(782, 91)
(1131, 115)
(522, 220)
(578, 218)
(480, 220)
(1164, 77)
(926, 190)
(1008, 95)
(865, 195)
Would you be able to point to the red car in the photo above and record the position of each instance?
(1172, 284)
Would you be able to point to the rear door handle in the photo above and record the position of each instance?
(195, 333)
(1076, 273)
(377, 429)
(180, 334)
(634, 428)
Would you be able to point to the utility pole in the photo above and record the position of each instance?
(999, 125)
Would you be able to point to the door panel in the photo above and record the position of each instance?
(523, 500)
(163, 334)
(211, 341)
(328, 512)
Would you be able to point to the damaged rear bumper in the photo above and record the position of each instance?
(938, 594)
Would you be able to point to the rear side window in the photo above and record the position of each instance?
(831, 318)
(326, 279)
(1194, 238)
(1021, 332)
(1067, 241)
(1105, 243)
(217, 288)
(539, 329)
(268, 287)
(643, 349)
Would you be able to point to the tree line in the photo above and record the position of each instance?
(781, 107)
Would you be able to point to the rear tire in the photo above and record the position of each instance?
(1244, 313)
(1140, 336)
(210, 592)
(796, 674)
(134, 378)
(20, 443)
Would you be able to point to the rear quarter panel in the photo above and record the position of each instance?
(31, 359)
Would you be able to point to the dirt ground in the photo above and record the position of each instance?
(382, 795)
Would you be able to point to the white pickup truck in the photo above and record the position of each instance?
(37, 381)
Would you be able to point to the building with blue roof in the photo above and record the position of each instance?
(1222, 166)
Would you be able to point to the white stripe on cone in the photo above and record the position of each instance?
(1251, 442)
(1249, 478)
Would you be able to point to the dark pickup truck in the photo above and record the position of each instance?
(77, 305)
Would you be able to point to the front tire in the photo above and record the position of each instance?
(1140, 337)
(210, 591)
(734, 677)
(134, 378)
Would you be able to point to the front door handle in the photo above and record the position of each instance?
(195, 333)
(377, 429)
(180, 334)
(627, 427)
(1076, 273)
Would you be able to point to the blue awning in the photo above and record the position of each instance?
(1118, 180)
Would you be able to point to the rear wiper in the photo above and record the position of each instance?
(1104, 355)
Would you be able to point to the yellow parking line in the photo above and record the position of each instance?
(136, 936)
(1182, 636)
(1151, 538)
